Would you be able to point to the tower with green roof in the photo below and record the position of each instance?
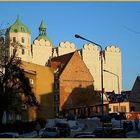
(42, 33)
(42, 47)
(18, 27)
(18, 32)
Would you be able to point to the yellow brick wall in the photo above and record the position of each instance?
(42, 87)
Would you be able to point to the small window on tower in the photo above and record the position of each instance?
(14, 39)
(22, 29)
(22, 39)
(23, 51)
(31, 81)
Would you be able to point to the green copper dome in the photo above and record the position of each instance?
(43, 37)
(18, 26)
(46, 38)
(42, 33)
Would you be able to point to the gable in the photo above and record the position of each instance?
(135, 93)
(76, 70)
(61, 61)
(136, 87)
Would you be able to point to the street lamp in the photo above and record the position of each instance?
(101, 54)
(117, 79)
(118, 87)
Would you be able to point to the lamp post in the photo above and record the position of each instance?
(118, 87)
(101, 54)
(117, 79)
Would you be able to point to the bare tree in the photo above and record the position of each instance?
(15, 89)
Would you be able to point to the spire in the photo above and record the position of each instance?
(42, 25)
(18, 20)
(17, 17)
(42, 28)
(42, 33)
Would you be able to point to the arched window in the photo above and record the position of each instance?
(22, 40)
(23, 51)
(14, 39)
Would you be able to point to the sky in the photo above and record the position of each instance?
(106, 23)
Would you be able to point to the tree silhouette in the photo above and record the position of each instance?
(15, 89)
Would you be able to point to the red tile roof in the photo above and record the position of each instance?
(61, 60)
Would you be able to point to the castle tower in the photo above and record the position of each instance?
(111, 63)
(66, 47)
(20, 37)
(42, 47)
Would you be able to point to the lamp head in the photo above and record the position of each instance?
(77, 36)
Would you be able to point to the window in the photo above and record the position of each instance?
(115, 108)
(22, 39)
(24, 106)
(22, 29)
(14, 39)
(98, 109)
(94, 109)
(23, 51)
(122, 108)
(31, 81)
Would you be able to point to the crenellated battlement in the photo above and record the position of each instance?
(67, 45)
(43, 49)
(112, 49)
(90, 47)
(41, 42)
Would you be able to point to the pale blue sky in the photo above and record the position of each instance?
(106, 23)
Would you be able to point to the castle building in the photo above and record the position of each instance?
(18, 33)
(42, 47)
(73, 92)
(111, 64)
(41, 79)
(42, 50)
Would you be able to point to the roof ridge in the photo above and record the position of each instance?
(63, 55)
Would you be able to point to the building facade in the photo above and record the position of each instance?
(20, 39)
(41, 79)
(130, 103)
(42, 47)
(42, 50)
(73, 84)
(80, 67)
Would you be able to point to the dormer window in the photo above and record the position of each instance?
(22, 40)
(15, 30)
(22, 29)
